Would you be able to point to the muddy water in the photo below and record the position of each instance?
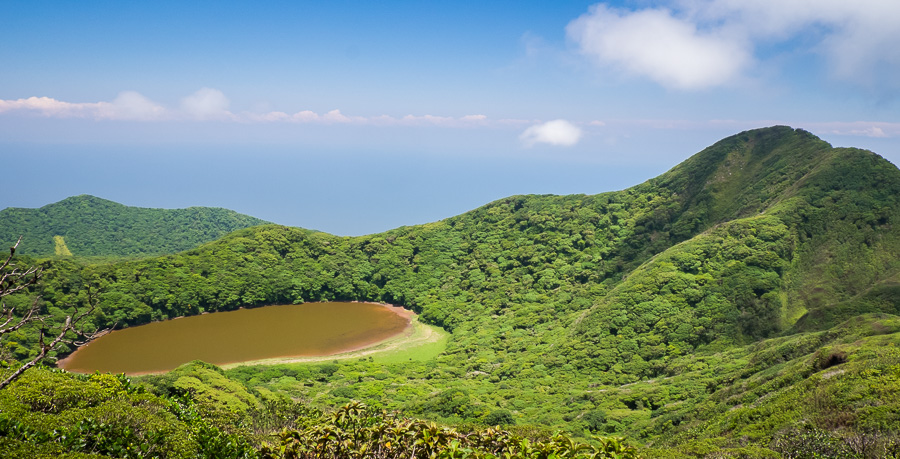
(238, 336)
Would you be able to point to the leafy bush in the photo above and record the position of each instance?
(356, 431)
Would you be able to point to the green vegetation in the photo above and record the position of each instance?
(50, 414)
(88, 226)
(427, 343)
(744, 304)
(357, 431)
(196, 412)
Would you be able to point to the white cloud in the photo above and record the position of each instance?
(694, 44)
(206, 104)
(128, 105)
(474, 118)
(874, 131)
(556, 132)
(305, 116)
(655, 44)
(336, 116)
(50, 107)
(211, 104)
(131, 105)
(859, 39)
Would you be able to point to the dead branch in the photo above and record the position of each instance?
(72, 326)
(72, 331)
(12, 279)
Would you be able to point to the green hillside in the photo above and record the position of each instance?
(89, 226)
(743, 304)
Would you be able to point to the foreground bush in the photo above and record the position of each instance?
(49, 413)
(357, 431)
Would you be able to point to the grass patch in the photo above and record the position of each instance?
(61, 249)
(431, 342)
(420, 342)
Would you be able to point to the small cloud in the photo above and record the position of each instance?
(874, 131)
(556, 132)
(469, 118)
(597, 123)
(206, 104)
(305, 116)
(131, 105)
(336, 116)
(428, 120)
(264, 117)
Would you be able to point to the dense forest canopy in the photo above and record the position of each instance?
(89, 226)
(701, 311)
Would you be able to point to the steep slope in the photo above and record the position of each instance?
(583, 312)
(818, 236)
(744, 174)
(89, 226)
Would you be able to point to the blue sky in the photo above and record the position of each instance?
(357, 117)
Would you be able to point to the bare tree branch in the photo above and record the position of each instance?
(26, 319)
(12, 279)
(72, 331)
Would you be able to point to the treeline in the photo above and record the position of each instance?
(196, 412)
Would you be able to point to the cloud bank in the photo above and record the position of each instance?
(557, 132)
(212, 105)
(128, 105)
(696, 44)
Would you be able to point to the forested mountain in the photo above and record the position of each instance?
(744, 304)
(89, 226)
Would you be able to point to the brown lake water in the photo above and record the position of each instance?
(297, 330)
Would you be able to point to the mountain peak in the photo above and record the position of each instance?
(743, 174)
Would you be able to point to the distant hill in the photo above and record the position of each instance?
(90, 226)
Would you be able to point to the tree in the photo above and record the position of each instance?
(14, 279)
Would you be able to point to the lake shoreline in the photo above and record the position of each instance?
(404, 335)
(415, 335)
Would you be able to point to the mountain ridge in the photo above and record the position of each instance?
(92, 226)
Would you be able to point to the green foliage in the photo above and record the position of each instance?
(88, 226)
(812, 443)
(750, 290)
(55, 413)
(357, 431)
(499, 418)
(595, 420)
